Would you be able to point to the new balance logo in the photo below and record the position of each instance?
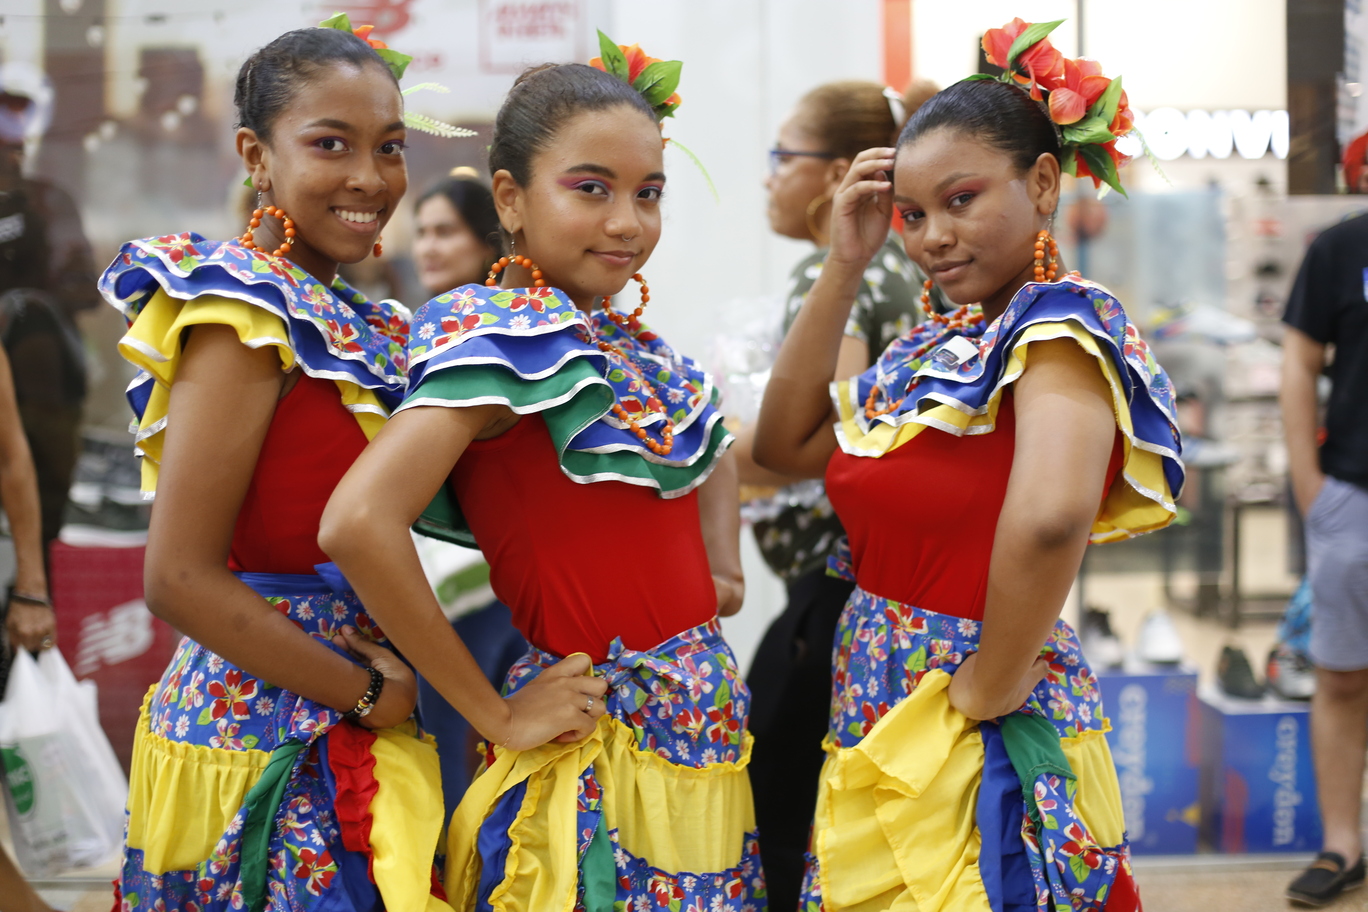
(107, 638)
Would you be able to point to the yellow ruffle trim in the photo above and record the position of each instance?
(153, 343)
(1098, 798)
(1139, 499)
(182, 798)
(677, 818)
(895, 824)
(407, 813)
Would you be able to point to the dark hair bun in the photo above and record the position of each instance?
(272, 76)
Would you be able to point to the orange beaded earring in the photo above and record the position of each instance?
(287, 225)
(526, 262)
(618, 318)
(377, 249)
(1045, 273)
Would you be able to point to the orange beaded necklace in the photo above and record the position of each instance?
(630, 325)
(949, 325)
(960, 320)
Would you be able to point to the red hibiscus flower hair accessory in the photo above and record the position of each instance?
(655, 79)
(1089, 109)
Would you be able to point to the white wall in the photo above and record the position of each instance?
(745, 64)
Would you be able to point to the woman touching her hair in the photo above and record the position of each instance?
(790, 677)
(971, 466)
(588, 461)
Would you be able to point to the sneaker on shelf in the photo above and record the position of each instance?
(1327, 877)
(1159, 642)
(1100, 644)
(1290, 674)
(1236, 676)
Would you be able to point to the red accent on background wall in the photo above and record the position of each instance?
(107, 634)
(897, 43)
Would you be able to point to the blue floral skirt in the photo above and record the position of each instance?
(653, 810)
(1046, 789)
(244, 795)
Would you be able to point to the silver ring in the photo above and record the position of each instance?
(47, 643)
(588, 704)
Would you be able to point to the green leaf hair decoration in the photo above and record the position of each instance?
(398, 64)
(656, 80)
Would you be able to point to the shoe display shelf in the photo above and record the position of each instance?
(1155, 744)
(1257, 784)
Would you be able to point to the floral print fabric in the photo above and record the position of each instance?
(204, 700)
(971, 381)
(686, 702)
(334, 330)
(535, 352)
(535, 333)
(884, 648)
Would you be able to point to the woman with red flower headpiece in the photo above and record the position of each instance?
(967, 766)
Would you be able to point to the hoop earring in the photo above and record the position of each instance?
(287, 226)
(817, 233)
(1044, 273)
(629, 322)
(492, 280)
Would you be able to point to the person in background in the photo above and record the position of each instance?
(1329, 307)
(1355, 174)
(47, 276)
(29, 622)
(791, 674)
(458, 232)
(458, 240)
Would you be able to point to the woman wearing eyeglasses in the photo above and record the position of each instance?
(791, 677)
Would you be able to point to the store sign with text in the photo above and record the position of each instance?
(514, 33)
(1171, 134)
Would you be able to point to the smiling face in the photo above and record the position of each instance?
(334, 162)
(589, 216)
(447, 252)
(970, 216)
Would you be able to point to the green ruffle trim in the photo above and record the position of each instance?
(570, 400)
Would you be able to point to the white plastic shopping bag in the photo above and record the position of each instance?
(64, 789)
